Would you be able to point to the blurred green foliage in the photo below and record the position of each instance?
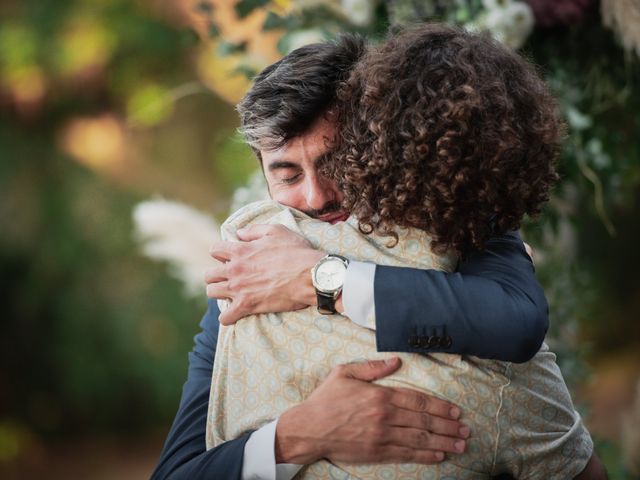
(93, 337)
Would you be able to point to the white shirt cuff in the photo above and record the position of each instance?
(259, 461)
(357, 294)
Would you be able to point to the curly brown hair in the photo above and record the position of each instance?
(446, 131)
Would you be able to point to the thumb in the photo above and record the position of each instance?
(230, 316)
(255, 232)
(372, 369)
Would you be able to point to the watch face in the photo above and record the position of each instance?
(330, 275)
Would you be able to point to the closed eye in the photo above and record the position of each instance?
(291, 180)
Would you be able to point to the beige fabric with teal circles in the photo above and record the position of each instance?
(521, 416)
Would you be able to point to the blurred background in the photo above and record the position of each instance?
(105, 104)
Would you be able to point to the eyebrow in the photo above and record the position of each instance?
(282, 164)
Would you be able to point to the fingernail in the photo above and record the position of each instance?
(439, 456)
(464, 431)
(459, 445)
(454, 412)
(391, 361)
(240, 230)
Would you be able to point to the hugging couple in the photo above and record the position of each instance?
(380, 317)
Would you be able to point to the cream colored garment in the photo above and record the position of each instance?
(521, 416)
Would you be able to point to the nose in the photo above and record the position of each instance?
(320, 192)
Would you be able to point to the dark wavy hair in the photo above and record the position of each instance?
(288, 96)
(446, 131)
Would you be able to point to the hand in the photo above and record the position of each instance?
(351, 420)
(267, 272)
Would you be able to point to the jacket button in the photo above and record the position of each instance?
(424, 341)
(434, 341)
(414, 341)
(446, 341)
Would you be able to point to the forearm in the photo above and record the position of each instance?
(481, 317)
(493, 307)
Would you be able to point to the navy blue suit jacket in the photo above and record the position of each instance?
(492, 307)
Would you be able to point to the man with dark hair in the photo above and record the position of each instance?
(492, 307)
(436, 128)
(288, 96)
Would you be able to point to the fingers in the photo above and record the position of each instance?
(216, 274)
(255, 232)
(223, 251)
(230, 316)
(217, 283)
(421, 402)
(219, 290)
(401, 417)
(370, 370)
(418, 439)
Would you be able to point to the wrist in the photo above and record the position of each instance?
(307, 292)
(328, 277)
(290, 446)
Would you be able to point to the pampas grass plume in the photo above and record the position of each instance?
(180, 235)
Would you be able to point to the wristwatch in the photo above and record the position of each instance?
(328, 279)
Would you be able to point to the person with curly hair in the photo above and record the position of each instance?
(447, 132)
(439, 140)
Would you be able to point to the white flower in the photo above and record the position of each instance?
(578, 120)
(474, 26)
(520, 16)
(511, 24)
(178, 234)
(359, 12)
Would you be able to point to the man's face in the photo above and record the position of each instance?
(292, 174)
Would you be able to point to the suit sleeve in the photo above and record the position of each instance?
(184, 455)
(492, 307)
